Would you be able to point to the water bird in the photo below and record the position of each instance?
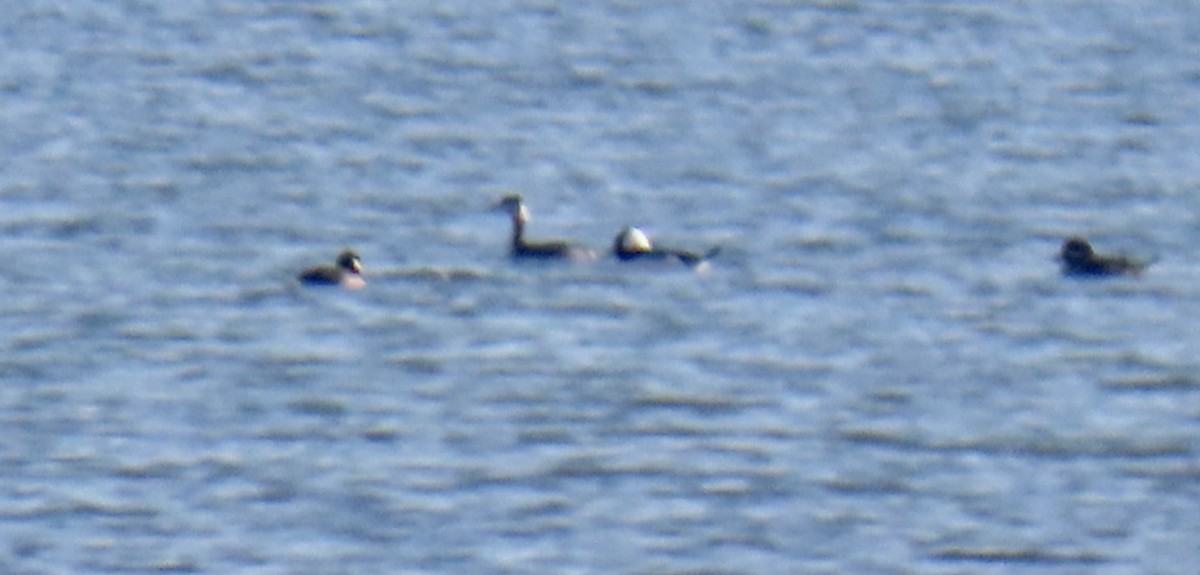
(522, 248)
(633, 244)
(347, 273)
(1079, 259)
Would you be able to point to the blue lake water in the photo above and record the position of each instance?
(883, 372)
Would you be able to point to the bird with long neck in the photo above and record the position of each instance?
(522, 248)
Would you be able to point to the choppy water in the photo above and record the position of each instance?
(883, 372)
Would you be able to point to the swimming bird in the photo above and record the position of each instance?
(522, 248)
(346, 273)
(632, 244)
(1079, 259)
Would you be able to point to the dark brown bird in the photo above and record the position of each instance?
(1079, 259)
(522, 248)
(346, 273)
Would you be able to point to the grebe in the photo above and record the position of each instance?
(1079, 259)
(631, 244)
(347, 273)
(521, 248)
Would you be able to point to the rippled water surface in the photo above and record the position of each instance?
(882, 372)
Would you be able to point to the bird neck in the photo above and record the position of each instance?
(518, 232)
